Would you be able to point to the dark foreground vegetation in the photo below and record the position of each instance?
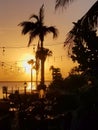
(73, 109)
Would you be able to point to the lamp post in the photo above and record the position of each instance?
(25, 86)
(31, 78)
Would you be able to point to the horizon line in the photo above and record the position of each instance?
(23, 81)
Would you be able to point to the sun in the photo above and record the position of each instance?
(24, 62)
(26, 67)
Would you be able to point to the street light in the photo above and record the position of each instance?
(25, 86)
(31, 78)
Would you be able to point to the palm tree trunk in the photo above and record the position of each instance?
(42, 67)
(36, 78)
(42, 64)
(42, 71)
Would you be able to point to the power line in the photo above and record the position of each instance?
(10, 47)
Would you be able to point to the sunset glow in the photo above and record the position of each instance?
(14, 45)
(24, 62)
(29, 87)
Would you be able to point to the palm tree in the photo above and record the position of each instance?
(38, 29)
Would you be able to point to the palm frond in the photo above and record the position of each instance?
(43, 53)
(31, 62)
(62, 3)
(41, 13)
(53, 30)
(90, 19)
(33, 35)
(34, 16)
(27, 26)
(37, 27)
(49, 53)
(30, 40)
(51, 67)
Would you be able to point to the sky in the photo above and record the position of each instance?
(14, 52)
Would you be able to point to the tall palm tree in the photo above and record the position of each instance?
(38, 29)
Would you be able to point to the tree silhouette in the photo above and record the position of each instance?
(56, 74)
(38, 29)
(90, 19)
(84, 49)
(82, 41)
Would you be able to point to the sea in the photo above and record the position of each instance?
(12, 86)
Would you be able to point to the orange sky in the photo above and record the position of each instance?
(14, 52)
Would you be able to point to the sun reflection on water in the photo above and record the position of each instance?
(29, 86)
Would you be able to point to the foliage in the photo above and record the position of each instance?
(74, 82)
(89, 20)
(62, 3)
(82, 41)
(38, 29)
(57, 80)
(85, 51)
(43, 53)
(56, 74)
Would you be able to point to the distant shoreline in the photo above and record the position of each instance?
(25, 81)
